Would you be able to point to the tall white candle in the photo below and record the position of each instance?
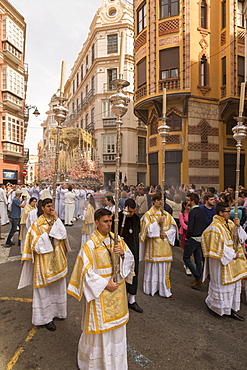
(164, 101)
(122, 54)
(242, 95)
(62, 80)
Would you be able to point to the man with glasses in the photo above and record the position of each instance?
(225, 262)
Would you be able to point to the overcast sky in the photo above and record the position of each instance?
(56, 31)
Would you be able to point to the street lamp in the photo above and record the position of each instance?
(27, 109)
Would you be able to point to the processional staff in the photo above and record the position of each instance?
(119, 103)
(60, 116)
(239, 134)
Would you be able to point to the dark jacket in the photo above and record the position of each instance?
(196, 223)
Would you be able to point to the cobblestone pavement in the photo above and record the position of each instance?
(177, 334)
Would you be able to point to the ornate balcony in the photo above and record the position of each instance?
(169, 84)
(11, 149)
(141, 92)
(109, 158)
(11, 101)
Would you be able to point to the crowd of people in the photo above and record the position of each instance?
(202, 222)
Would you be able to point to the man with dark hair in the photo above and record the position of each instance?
(208, 207)
(103, 340)
(45, 267)
(225, 262)
(130, 230)
(192, 245)
(157, 236)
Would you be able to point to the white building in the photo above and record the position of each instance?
(90, 85)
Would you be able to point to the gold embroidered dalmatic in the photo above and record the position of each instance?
(214, 239)
(28, 208)
(157, 249)
(109, 310)
(48, 267)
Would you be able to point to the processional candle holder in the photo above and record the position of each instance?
(239, 134)
(60, 116)
(163, 131)
(119, 102)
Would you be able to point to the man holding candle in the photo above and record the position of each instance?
(105, 310)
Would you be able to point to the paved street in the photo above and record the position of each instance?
(177, 334)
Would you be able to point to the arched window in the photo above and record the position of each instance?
(175, 122)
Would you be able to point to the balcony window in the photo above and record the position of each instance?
(87, 64)
(240, 69)
(141, 73)
(141, 18)
(77, 80)
(93, 53)
(112, 44)
(81, 72)
(111, 76)
(92, 116)
(169, 8)
(106, 110)
(169, 63)
(240, 14)
(109, 144)
(92, 85)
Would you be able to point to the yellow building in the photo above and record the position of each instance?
(194, 49)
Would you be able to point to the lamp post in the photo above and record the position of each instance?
(163, 131)
(239, 134)
(119, 108)
(27, 109)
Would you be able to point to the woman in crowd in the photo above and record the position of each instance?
(183, 221)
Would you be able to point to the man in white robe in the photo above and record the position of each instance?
(3, 206)
(62, 191)
(103, 341)
(45, 266)
(69, 200)
(225, 262)
(157, 236)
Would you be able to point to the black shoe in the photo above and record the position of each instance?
(212, 312)
(235, 316)
(50, 326)
(134, 306)
(9, 244)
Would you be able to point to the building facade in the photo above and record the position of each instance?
(195, 49)
(32, 168)
(14, 76)
(90, 86)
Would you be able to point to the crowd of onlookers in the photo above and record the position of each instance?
(175, 200)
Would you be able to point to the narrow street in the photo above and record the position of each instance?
(177, 334)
